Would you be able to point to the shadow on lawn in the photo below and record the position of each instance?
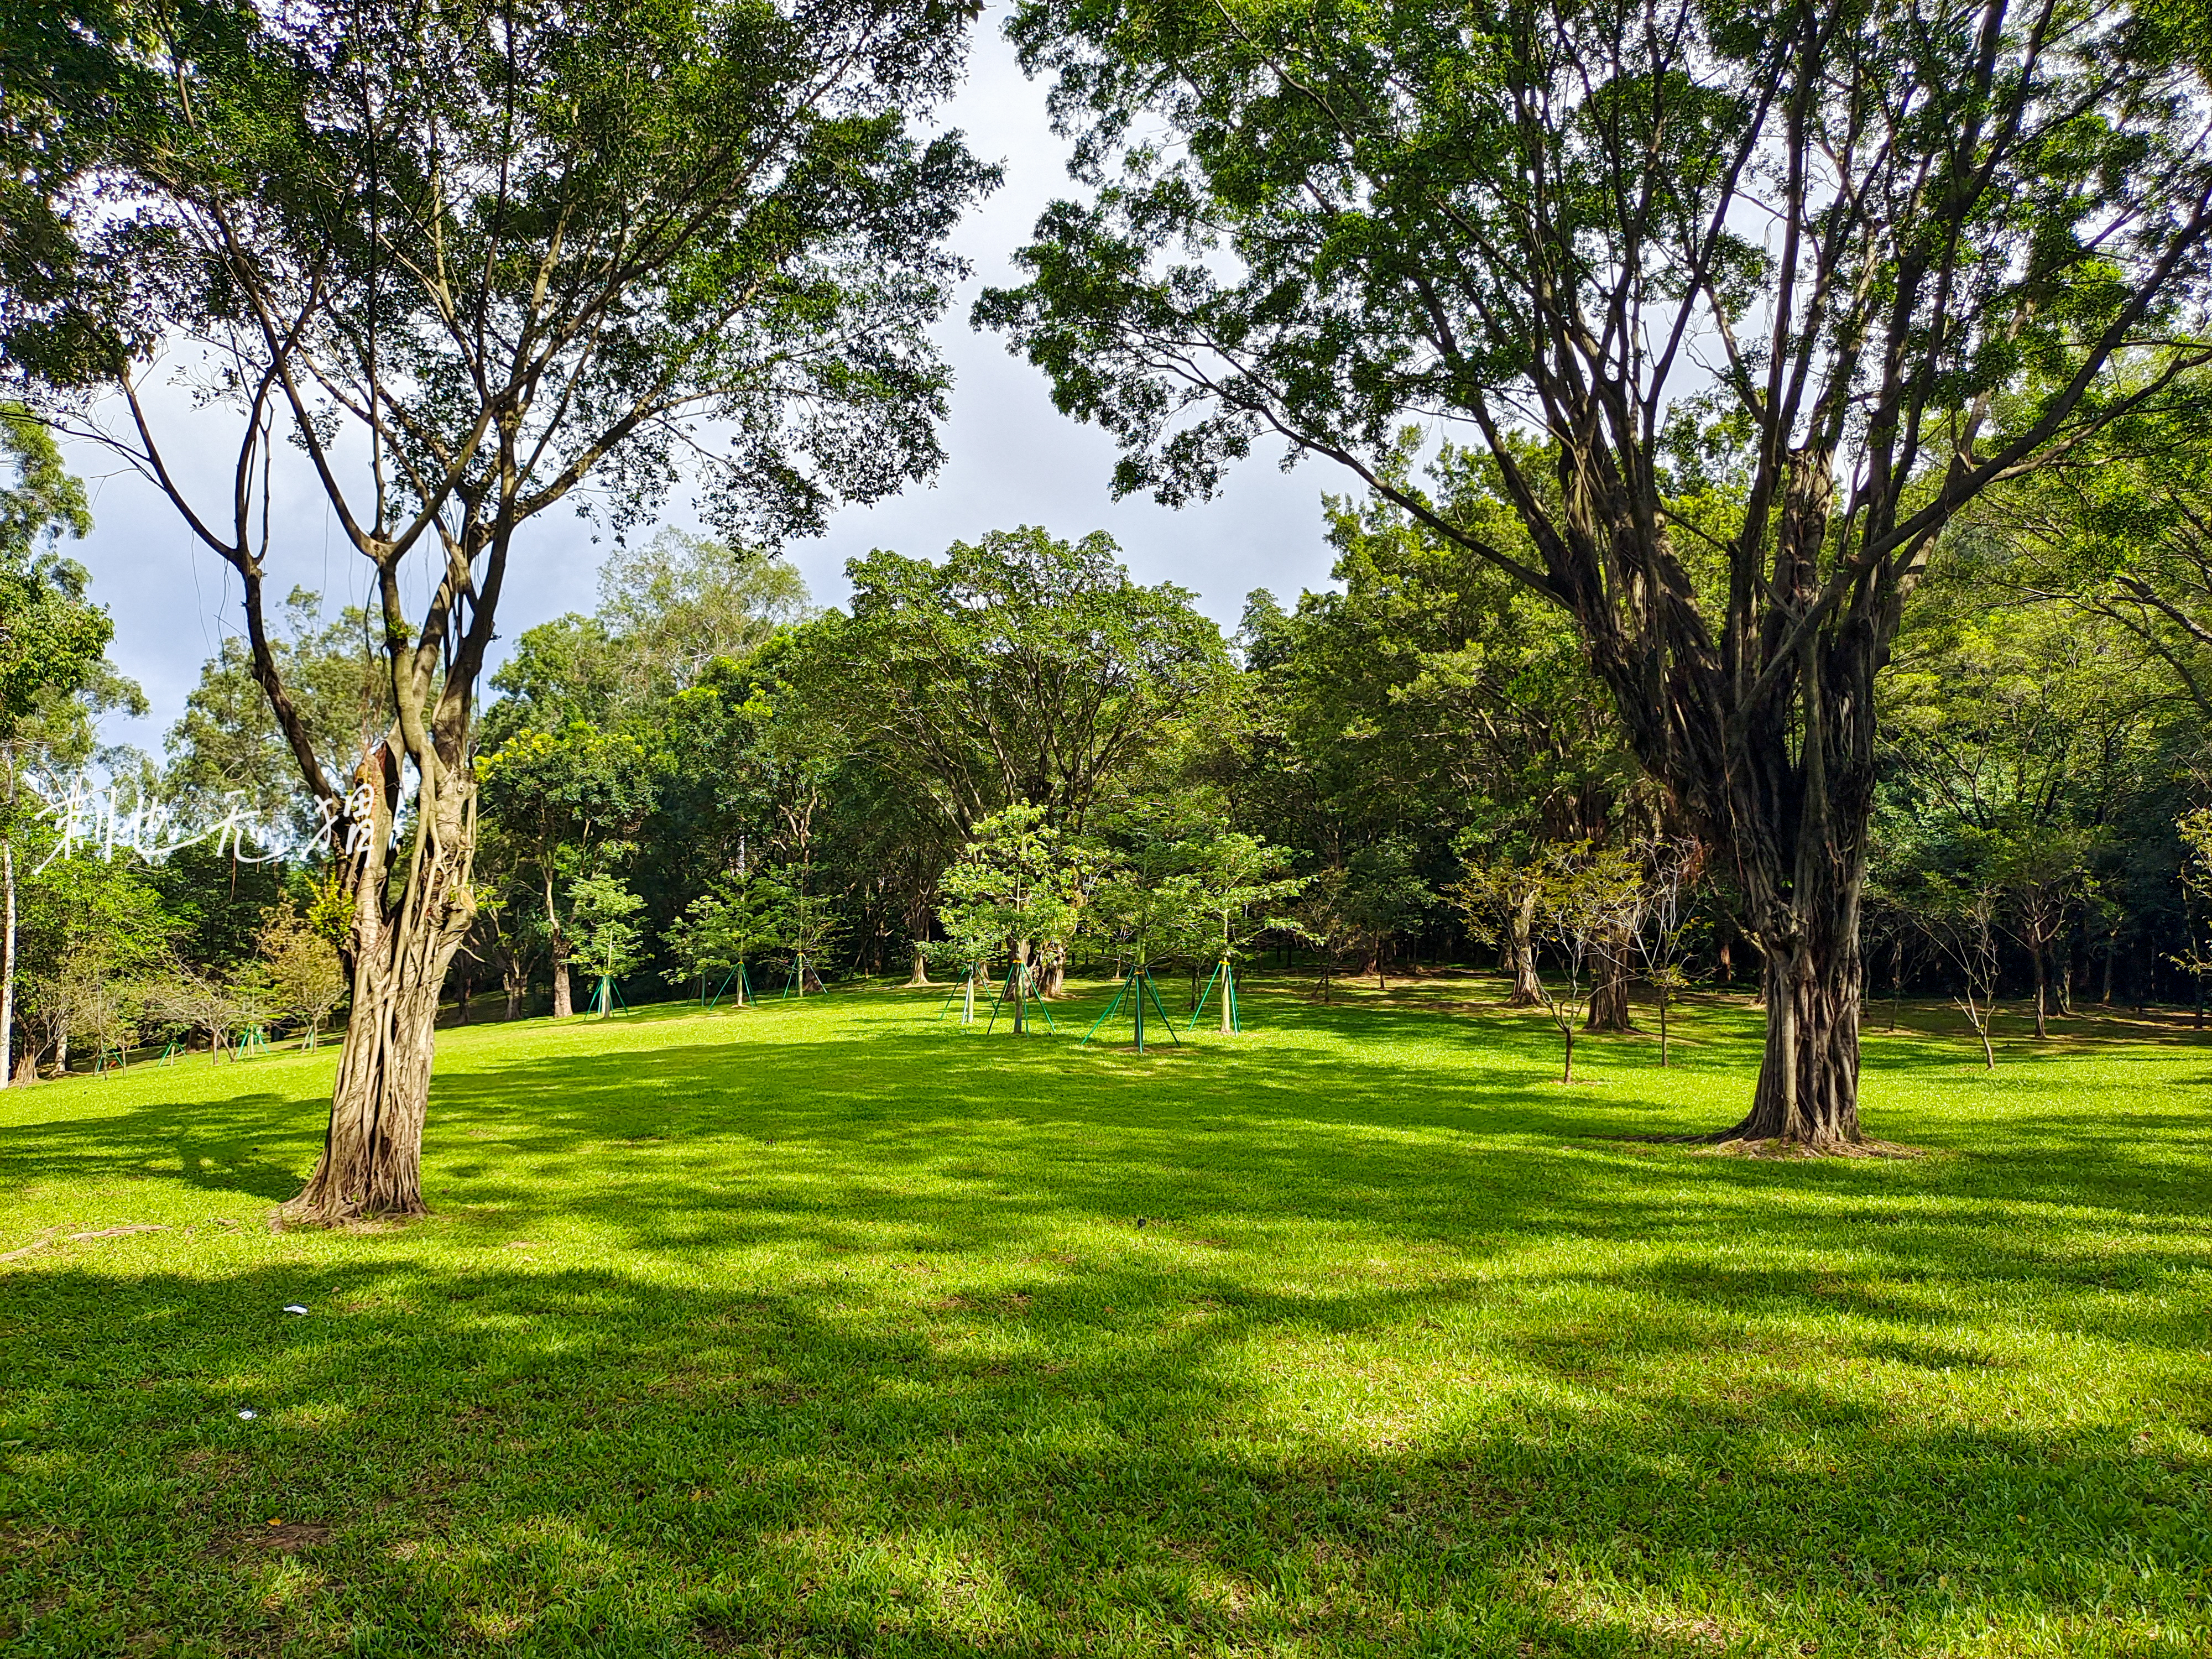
(1662, 1448)
(574, 1459)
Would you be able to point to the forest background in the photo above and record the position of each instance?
(709, 771)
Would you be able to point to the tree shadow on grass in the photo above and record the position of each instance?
(580, 1460)
(858, 1346)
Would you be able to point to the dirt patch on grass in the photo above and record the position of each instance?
(274, 1538)
(1790, 1149)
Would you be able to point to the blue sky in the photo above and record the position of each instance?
(1013, 459)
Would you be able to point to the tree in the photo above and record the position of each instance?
(1732, 452)
(722, 927)
(217, 1005)
(470, 263)
(1151, 905)
(668, 610)
(681, 601)
(1959, 918)
(805, 925)
(1496, 895)
(604, 914)
(1242, 882)
(1022, 668)
(2195, 958)
(1323, 918)
(562, 800)
(52, 639)
(1588, 898)
(1383, 896)
(1020, 882)
(90, 930)
(301, 964)
(1670, 869)
(973, 940)
(2045, 877)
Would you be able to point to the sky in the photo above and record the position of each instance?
(1013, 460)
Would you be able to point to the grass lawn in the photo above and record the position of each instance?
(824, 1328)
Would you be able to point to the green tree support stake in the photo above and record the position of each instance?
(1028, 986)
(1140, 981)
(1225, 972)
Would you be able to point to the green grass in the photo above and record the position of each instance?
(824, 1328)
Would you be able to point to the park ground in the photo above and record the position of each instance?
(833, 1328)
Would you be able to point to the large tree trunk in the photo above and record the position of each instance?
(1809, 1081)
(564, 990)
(1770, 745)
(1609, 1009)
(372, 1153)
(515, 982)
(1521, 945)
(920, 978)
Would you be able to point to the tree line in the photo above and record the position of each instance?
(1015, 759)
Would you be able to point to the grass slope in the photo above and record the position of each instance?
(824, 1328)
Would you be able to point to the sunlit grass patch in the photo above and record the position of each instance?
(832, 1327)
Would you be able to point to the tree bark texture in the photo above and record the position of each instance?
(919, 979)
(564, 990)
(1521, 945)
(1808, 1077)
(401, 946)
(1609, 1009)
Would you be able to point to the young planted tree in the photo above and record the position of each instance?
(1324, 920)
(973, 940)
(720, 931)
(1243, 888)
(1588, 897)
(807, 927)
(1960, 919)
(460, 263)
(1152, 905)
(215, 1004)
(604, 914)
(1537, 226)
(1020, 883)
(502, 928)
(2045, 877)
